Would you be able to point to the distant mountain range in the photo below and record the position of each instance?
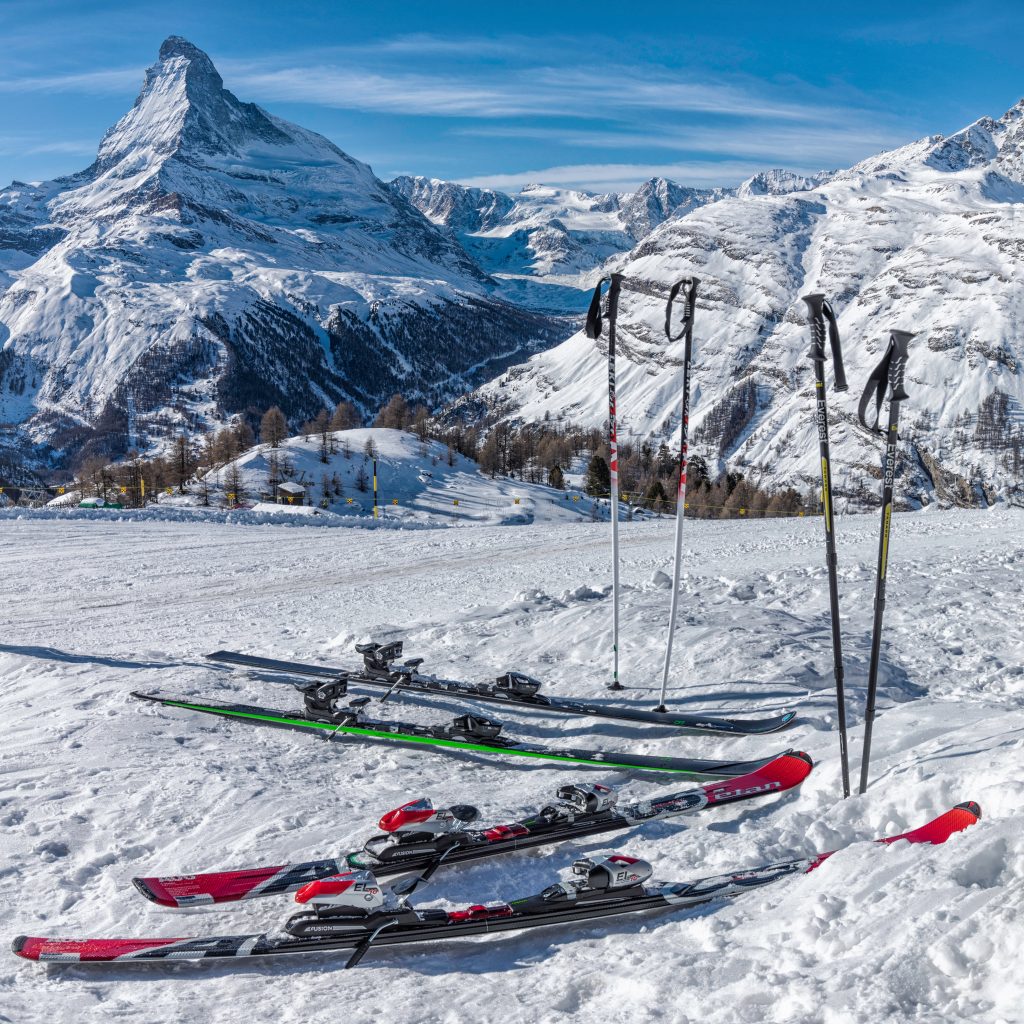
(544, 245)
(927, 238)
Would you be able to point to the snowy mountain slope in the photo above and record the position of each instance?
(927, 238)
(545, 243)
(415, 483)
(97, 789)
(216, 258)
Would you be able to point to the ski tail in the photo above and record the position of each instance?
(230, 886)
(93, 950)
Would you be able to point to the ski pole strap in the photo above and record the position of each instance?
(888, 374)
(594, 318)
(833, 340)
(689, 301)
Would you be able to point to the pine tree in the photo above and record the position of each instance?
(655, 496)
(666, 464)
(370, 448)
(322, 427)
(556, 478)
(599, 477)
(182, 462)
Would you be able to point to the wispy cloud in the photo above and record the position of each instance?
(521, 92)
(27, 145)
(622, 177)
(795, 146)
(96, 83)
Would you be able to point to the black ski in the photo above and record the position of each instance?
(514, 689)
(471, 733)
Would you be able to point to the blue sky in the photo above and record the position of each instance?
(593, 95)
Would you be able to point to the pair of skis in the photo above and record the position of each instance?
(352, 910)
(513, 690)
(888, 376)
(416, 837)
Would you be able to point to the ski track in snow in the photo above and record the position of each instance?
(95, 788)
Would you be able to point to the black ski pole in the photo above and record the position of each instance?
(888, 376)
(818, 309)
(593, 330)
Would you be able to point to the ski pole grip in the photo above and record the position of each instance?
(900, 341)
(816, 312)
(614, 288)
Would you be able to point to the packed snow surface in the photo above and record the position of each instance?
(98, 788)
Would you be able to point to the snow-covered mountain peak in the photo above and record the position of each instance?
(184, 110)
(926, 237)
(779, 182)
(216, 258)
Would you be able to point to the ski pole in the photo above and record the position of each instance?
(593, 330)
(818, 309)
(888, 376)
(686, 332)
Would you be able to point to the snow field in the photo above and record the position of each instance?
(95, 788)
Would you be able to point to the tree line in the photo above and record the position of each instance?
(543, 452)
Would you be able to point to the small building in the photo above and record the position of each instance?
(291, 493)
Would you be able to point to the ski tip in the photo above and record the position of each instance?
(18, 946)
(971, 807)
(801, 756)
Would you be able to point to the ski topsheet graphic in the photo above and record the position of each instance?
(417, 836)
(513, 689)
(353, 911)
(471, 733)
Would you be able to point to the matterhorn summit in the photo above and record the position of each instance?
(216, 259)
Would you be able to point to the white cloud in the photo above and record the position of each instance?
(796, 146)
(622, 177)
(94, 83)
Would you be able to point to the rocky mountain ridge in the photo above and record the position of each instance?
(927, 238)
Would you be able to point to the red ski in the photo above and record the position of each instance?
(417, 836)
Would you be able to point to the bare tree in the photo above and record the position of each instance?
(273, 427)
(395, 414)
(346, 417)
